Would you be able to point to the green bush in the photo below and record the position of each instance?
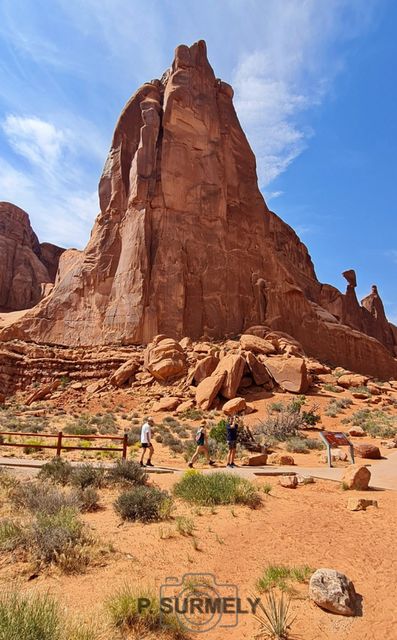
(57, 470)
(216, 488)
(375, 422)
(126, 615)
(218, 432)
(134, 435)
(10, 534)
(59, 538)
(127, 472)
(29, 617)
(87, 499)
(281, 576)
(146, 504)
(85, 475)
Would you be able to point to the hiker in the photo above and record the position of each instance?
(201, 445)
(232, 425)
(146, 442)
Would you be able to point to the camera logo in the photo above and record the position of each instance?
(199, 602)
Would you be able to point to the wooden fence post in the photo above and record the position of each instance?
(125, 445)
(59, 444)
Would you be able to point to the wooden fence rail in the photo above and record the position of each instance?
(60, 437)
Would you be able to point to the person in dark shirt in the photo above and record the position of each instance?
(201, 446)
(231, 437)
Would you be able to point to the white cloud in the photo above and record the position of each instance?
(276, 83)
(38, 141)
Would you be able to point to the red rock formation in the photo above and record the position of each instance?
(26, 266)
(185, 245)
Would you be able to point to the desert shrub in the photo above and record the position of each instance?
(158, 437)
(281, 576)
(310, 418)
(11, 533)
(172, 422)
(336, 405)
(29, 617)
(192, 414)
(184, 525)
(218, 432)
(297, 445)
(280, 426)
(362, 389)
(177, 447)
(85, 475)
(59, 538)
(274, 617)
(57, 470)
(127, 472)
(126, 614)
(32, 446)
(41, 498)
(134, 435)
(375, 422)
(105, 424)
(87, 499)
(146, 504)
(332, 388)
(216, 488)
(276, 407)
(313, 443)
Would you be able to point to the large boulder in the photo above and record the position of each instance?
(349, 380)
(204, 368)
(236, 405)
(165, 358)
(125, 372)
(258, 370)
(233, 367)
(369, 451)
(169, 403)
(356, 477)
(208, 390)
(255, 344)
(333, 591)
(289, 373)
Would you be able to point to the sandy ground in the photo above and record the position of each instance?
(8, 318)
(307, 526)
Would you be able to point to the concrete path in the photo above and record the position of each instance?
(383, 473)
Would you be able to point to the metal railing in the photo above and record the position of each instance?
(60, 437)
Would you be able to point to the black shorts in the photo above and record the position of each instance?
(145, 445)
(232, 444)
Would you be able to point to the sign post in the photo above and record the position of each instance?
(336, 439)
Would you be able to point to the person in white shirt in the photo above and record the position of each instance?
(146, 442)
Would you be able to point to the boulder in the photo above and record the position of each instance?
(256, 344)
(185, 406)
(369, 451)
(42, 392)
(258, 370)
(165, 359)
(289, 482)
(232, 366)
(257, 461)
(186, 343)
(305, 479)
(166, 404)
(349, 380)
(236, 405)
(204, 368)
(259, 330)
(356, 432)
(356, 477)
(124, 373)
(333, 591)
(289, 373)
(281, 459)
(360, 504)
(208, 389)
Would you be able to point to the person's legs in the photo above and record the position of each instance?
(233, 453)
(142, 454)
(151, 451)
(195, 456)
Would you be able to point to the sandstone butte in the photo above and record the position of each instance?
(185, 245)
(27, 268)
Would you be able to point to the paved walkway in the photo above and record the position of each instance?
(383, 473)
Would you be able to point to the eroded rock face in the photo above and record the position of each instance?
(26, 266)
(184, 244)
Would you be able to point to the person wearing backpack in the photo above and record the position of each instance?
(201, 446)
(232, 425)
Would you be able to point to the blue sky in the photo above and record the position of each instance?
(315, 91)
